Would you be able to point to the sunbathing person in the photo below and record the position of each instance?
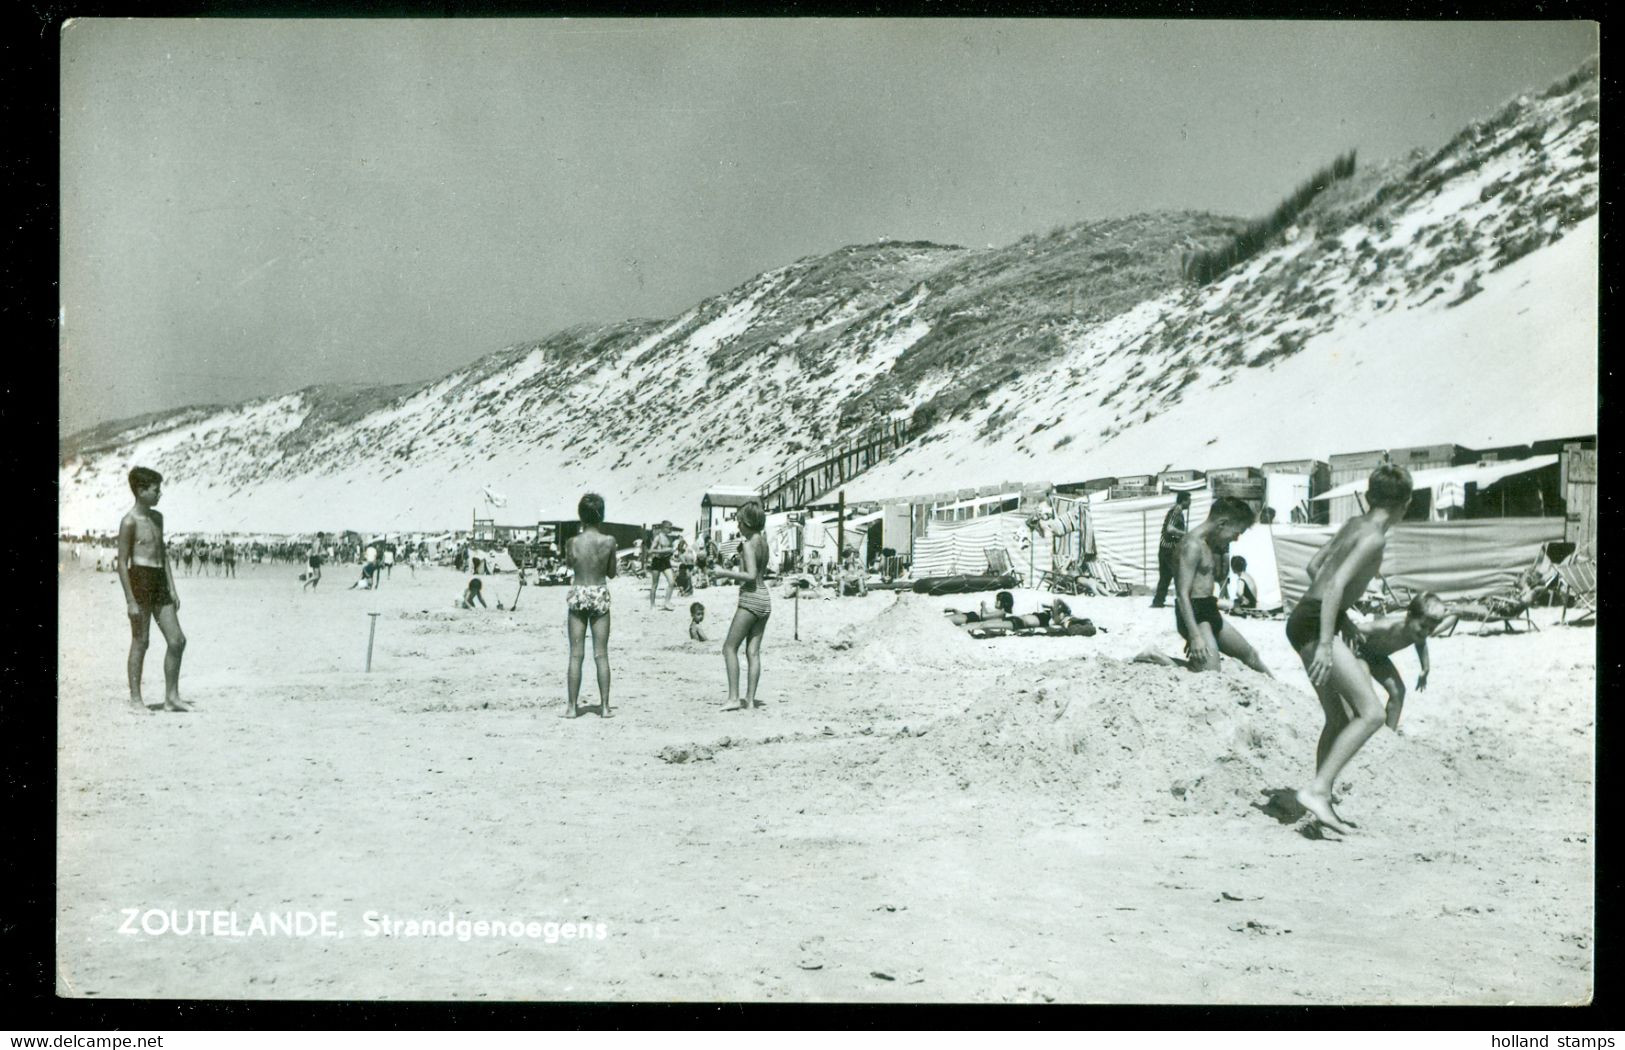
(1004, 604)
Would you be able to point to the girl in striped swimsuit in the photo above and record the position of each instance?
(750, 620)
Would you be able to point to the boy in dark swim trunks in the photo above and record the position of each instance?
(314, 561)
(149, 589)
(1375, 643)
(590, 554)
(1196, 609)
(1319, 626)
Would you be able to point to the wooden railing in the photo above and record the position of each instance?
(833, 466)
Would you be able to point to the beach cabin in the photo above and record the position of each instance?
(1290, 488)
(1133, 486)
(1177, 480)
(1578, 478)
(1357, 466)
(1244, 483)
(718, 507)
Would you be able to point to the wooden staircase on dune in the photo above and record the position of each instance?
(833, 466)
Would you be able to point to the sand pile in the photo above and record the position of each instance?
(911, 636)
(1139, 732)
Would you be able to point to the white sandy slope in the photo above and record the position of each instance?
(1514, 364)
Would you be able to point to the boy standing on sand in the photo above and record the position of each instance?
(1374, 644)
(1196, 609)
(149, 589)
(1338, 575)
(314, 561)
(590, 554)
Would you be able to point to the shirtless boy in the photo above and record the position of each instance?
(1338, 575)
(314, 561)
(1374, 644)
(590, 554)
(149, 589)
(1196, 609)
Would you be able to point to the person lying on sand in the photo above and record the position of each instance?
(1319, 625)
(1004, 604)
(591, 557)
(1374, 642)
(1196, 609)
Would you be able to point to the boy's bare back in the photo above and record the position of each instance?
(1387, 637)
(591, 557)
(1360, 539)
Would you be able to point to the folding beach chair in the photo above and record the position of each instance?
(1579, 576)
(1506, 608)
(1109, 584)
(1065, 580)
(998, 563)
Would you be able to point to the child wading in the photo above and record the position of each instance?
(590, 554)
(149, 589)
(750, 620)
(1338, 575)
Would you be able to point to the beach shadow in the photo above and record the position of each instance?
(1283, 805)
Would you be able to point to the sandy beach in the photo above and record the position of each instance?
(914, 816)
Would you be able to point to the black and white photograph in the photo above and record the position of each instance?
(888, 510)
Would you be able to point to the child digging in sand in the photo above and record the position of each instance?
(1338, 575)
(149, 589)
(1196, 610)
(750, 620)
(1374, 643)
(472, 594)
(590, 554)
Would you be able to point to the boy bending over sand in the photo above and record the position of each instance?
(1374, 643)
(1196, 609)
(149, 589)
(590, 554)
(1338, 575)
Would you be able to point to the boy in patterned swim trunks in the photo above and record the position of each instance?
(590, 554)
(149, 589)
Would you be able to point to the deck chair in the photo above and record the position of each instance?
(1381, 597)
(998, 563)
(1504, 609)
(1065, 580)
(1579, 576)
(1101, 570)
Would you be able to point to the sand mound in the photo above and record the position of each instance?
(910, 636)
(1140, 732)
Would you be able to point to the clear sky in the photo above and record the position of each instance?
(249, 207)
